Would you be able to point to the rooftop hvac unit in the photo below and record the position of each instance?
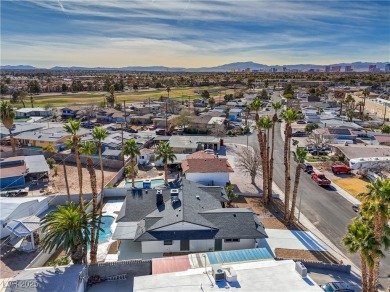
(301, 269)
(218, 273)
(174, 192)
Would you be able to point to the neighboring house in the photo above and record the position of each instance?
(206, 169)
(141, 109)
(237, 104)
(335, 135)
(188, 219)
(160, 121)
(16, 208)
(191, 144)
(216, 121)
(200, 123)
(33, 112)
(235, 114)
(142, 120)
(19, 128)
(72, 278)
(112, 116)
(112, 154)
(15, 171)
(70, 112)
(146, 156)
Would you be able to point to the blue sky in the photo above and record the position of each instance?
(192, 33)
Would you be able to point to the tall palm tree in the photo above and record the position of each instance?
(98, 135)
(276, 106)
(377, 202)
(131, 149)
(366, 93)
(264, 124)
(7, 116)
(360, 104)
(89, 148)
(67, 226)
(72, 128)
(165, 153)
(299, 157)
(289, 116)
(256, 105)
(360, 239)
(341, 102)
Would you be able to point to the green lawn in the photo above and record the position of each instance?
(97, 97)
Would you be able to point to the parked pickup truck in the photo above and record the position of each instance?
(320, 179)
(336, 169)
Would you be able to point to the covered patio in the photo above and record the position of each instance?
(24, 229)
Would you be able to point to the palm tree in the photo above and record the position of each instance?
(72, 128)
(360, 104)
(341, 102)
(211, 102)
(256, 105)
(131, 171)
(299, 158)
(7, 116)
(165, 153)
(67, 226)
(276, 106)
(89, 148)
(377, 202)
(289, 116)
(264, 124)
(366, 93)
(360, 239)
(247, 112)
(131, 149)
(168, 91)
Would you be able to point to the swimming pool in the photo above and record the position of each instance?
(139, 184)
(105, 234)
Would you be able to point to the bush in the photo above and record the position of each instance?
(245, 130)
(50, 161)
(59, 262)
(310, 127)
(55, 168)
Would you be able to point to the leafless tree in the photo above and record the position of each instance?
(249, 161)
(89, 111)
(218, 131)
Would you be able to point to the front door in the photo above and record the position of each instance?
(218, 245)
(184, 245)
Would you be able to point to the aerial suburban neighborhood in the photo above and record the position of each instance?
(240, 176)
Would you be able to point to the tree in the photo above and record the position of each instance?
(350, 115)
(165, 153)
(50, 161)
(264, 124)
(310, 127)
(19, 96)
(288, 90)
(249, 161)
(264, 95)
(340, 103)
(4, 89)
(72, 127)
(211, 102)
(118, 106)
(349, 102)
(111, 98)
(205, 94)
(7, 116)
(131, 171)
(228, 97)
(230, 193)
(276, 106)
(168, 90)
(183, 119)
(67, 226)
(98, 135)
(366, 93)
(131, 149)
(289, 116)
(385, 129)
(299, 157)
(377, 203)
(218, 130)
(88, 148)
(34, 86)
(64, 87)
(256, 106)
(360, 239)
(360, 104)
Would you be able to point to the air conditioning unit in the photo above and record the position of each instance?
(301, 269)
(218, 273)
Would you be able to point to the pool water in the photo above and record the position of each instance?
(139, 184)
(105, 234)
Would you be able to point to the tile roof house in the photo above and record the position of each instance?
(190, 218)
(335, 135)
(206, 169)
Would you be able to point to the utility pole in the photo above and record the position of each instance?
(166, 117)
(124, 109)
(123, 156)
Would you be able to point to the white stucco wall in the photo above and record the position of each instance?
(202, 245)
(145, 159)
(218, 178)
(243, 244)
(158, 246)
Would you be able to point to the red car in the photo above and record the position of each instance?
(320, 179)
(341, 168)
(152, 127)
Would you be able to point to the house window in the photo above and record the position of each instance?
(168, 242)
(232, 240)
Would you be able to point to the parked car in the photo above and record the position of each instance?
(299, 134)
(301, 122)
(152, 127)
(341, 168)
(162, 132)
(320, 179)
(130, 130)
(112, 128)
(87, 125)
(356, 207)
(307, 167)
(337, 287)
(318, 152)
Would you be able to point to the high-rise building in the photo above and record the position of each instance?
(387, 68)
(327, 69)
(336, 68)
(371, 68)
(348, 69)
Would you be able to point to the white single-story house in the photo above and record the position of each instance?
(16, 208)
(33, 112)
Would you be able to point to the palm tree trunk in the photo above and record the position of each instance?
(271, 164)
(287, 178)
(370, 279)
(295, 192)
(77, 254)
(101, 196)
(11, 137)
(80, 175)
(166, 173)
(133, 176)
(66, 179)
(95, 210)
(364, 273)
(378, 238)
(263, 164)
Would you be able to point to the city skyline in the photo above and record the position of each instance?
(192, 33)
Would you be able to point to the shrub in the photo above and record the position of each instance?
(50, 161)
(310, 127)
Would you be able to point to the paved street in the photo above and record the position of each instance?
(324, 207)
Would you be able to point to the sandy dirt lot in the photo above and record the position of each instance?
(58, 181)
(353, 185)
(305, 254)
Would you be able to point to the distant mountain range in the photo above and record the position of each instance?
(357, 66)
